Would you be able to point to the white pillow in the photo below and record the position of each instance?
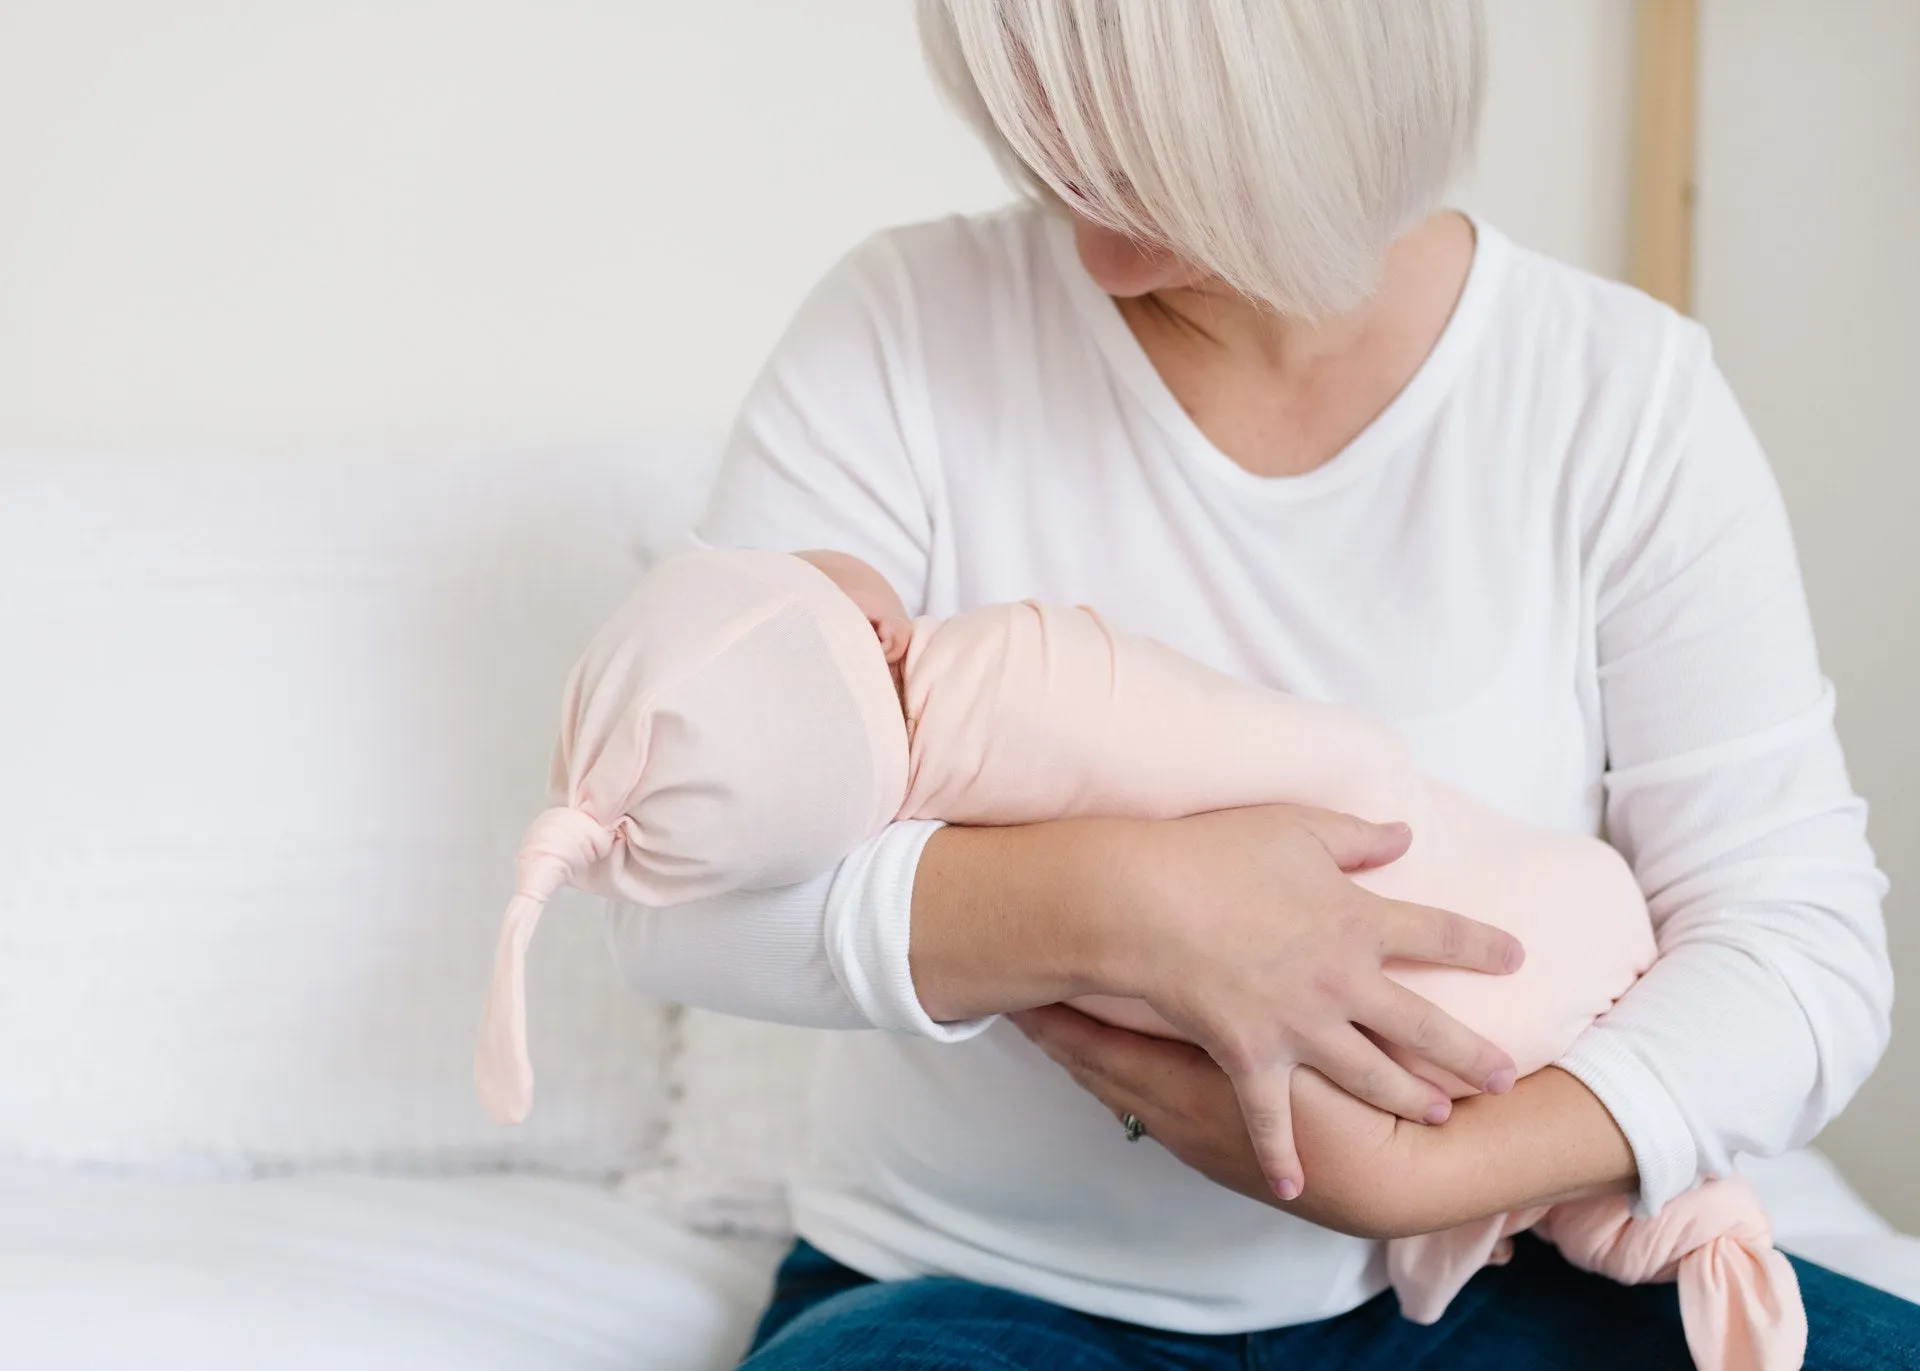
(269, 732)
(740, 1091)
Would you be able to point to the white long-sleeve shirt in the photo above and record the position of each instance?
(1557, 563)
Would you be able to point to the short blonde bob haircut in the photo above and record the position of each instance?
(1280, 145)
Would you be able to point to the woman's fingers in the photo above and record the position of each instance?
(1420, 934)
(1417, 933)
(1131, 1073)
(1360, 1068)
(1188, 1104)
(1266, 1102)
(1127, 1072)
(1353, 843)
(1399, 1016)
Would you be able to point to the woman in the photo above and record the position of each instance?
(1238, 380)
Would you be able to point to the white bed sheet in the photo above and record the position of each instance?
(490, 1273)
(485, 1273)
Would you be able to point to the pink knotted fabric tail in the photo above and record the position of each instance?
(1428, 1270)
(1740, 1301)
(1741, 1307)
(558, 846)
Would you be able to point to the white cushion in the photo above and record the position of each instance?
(270, 730)
(322, 1273)
(740, 1091)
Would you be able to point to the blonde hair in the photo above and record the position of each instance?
(1280, 145)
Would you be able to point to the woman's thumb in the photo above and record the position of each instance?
(1355, 844)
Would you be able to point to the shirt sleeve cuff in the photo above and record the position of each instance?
(1655, 1128)
(869, 924)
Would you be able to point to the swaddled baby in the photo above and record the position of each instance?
(748, 718)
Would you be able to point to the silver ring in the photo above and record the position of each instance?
(1135, 1129)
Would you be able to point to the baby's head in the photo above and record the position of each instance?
(873, 595)
(735, 726)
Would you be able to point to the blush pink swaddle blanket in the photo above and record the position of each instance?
(736, 726)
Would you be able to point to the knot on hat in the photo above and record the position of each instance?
(556, 849)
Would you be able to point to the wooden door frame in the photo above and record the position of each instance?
(1666, 65)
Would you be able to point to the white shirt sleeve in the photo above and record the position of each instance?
(820, 457)
(1727, 791)
(827, 953)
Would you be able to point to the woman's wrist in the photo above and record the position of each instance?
(1547, 1141)
(1008, 918)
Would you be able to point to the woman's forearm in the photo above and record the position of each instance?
(1001, 919)
(1370, 1174)
(1008, 918)
(1241, 928)
(1546, 1141)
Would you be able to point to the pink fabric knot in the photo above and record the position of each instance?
(557, 847)
(1739, 1298)
(1740, 1301)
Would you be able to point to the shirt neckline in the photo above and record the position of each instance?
(1413, 404)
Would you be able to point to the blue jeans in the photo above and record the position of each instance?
(1537, 1311)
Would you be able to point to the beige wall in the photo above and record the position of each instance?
(254, 222)
(1809, 276)
(261, 224)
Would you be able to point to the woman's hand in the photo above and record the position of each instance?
(1239, 927)
(1252, 941)
(1363, 1159)
(1375, 1175)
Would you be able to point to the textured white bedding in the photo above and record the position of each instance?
(499, 1273)
(319, 1273)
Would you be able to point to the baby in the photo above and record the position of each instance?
(748, 718)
